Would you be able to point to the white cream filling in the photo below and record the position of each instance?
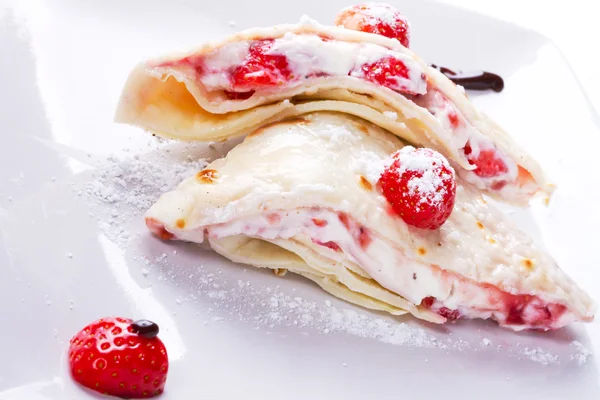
(385, 263)
(381, 261)
(442, 109)
(217, 64)
(394, 268)
(308, 55)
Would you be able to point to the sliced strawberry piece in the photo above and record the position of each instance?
(488, 162)
(388, 72)
(358, 231)
(454, 120)
(364, 238)
(379, 18)
(319, 222)
(344, 220)
(260, 69)
(331, 245)
(239, 95)
(450, 315)
(420, 186)
(427, 302)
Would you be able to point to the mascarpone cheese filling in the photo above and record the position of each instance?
(447, 293)
(309, 56)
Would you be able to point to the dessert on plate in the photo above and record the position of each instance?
(325, 200)
(325, 185)
(362, 67)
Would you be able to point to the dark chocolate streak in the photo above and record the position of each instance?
(474, 80)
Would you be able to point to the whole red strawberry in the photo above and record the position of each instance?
(420, 186)
(119, 357)
(488, 162)
(379, 18)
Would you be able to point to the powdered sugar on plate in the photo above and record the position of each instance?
(124, 188)
(136, 182)
(270, 307)
(540, 356)
(265, 305)
(582, 354)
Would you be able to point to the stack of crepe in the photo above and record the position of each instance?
(300, 193)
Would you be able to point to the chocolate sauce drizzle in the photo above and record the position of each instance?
(474, 80)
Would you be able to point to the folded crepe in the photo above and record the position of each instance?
(263, 75)
(303, 195)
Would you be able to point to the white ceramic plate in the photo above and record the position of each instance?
(73, 247)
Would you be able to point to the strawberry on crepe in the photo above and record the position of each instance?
(263, 75)
(340, 201)
(379, 18)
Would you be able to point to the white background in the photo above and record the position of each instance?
(573, 25)
(62, 65)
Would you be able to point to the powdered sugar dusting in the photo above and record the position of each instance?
(540, 356)
(338, 136)
(271, 307)
(428, 183)
(130, 185)
(366, 163)
(382, 12)
(138, 182)
(369, 165)
(582, 352)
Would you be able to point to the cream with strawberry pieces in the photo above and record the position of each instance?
(264, 67)
(395, 233)
(119, 357)
(493, 168)
(268, 65)
(264, 75)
